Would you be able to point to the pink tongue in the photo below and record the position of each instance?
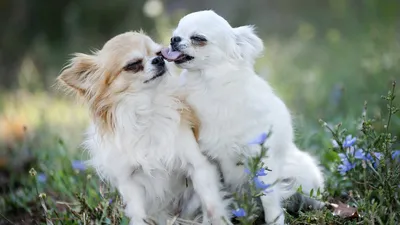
(169, 54)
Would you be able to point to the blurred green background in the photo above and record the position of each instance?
(323, 57)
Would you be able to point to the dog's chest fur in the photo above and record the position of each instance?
(143, 145)
(230, 112)
(235, 108)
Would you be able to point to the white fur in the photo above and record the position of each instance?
(235, 105)
(150, 154)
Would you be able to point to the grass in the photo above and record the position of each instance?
(50, 186)
(41, 181)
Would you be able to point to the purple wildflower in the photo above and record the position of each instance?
(260, 184)
(110, 201)
(374, 158)
(261, 172)
(349, 141)
(342, 156)
(42, 177)
(396, 154)
(239, 212)
(378, 155)
(78, 165)
(358, 154)
(259, 140)
(346, 165)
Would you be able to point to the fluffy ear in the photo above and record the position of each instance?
(76, 75)
(249, 45)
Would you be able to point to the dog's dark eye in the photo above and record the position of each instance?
(198, 38)
(158, 53)
(134, 66)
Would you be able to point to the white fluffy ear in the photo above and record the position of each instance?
(249, 45)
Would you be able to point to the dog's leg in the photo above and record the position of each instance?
(204, 176)
(191, 205)
(232, 170)
(133, 195)
(235, 177)
(271, 200)
(205, 183)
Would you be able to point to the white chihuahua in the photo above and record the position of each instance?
(141, 138)
(235, 105)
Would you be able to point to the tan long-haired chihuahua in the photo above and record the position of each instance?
(141, 138)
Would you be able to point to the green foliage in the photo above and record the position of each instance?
(369, 166)
(246, 205)
(77, 196)
(59, 190)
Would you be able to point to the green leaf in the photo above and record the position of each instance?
(300, 190)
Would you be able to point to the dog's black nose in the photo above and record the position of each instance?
(175, 40)
(158, 61)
